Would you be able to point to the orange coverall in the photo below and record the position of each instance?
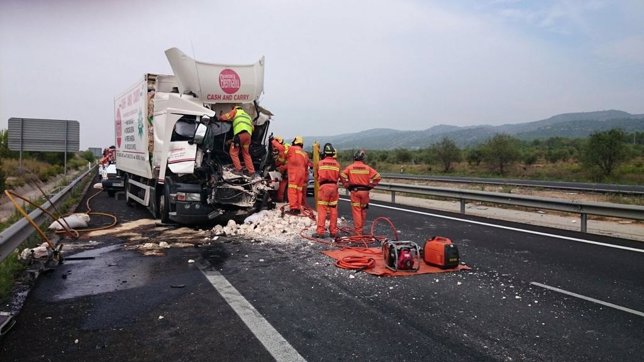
(328, 176)
(244, 142)
(296, 163)
(359, 178)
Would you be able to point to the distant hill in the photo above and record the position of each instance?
(563, 125)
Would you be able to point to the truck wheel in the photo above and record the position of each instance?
(164, 204)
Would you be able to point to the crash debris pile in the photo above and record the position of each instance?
(269, 225)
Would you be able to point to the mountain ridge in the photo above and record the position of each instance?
(579, 124)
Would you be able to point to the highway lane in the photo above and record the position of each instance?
(325, 313)
(491, 312)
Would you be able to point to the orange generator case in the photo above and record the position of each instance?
(439, 251)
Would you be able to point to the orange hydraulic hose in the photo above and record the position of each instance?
(90, 212)
(356, 262)
(10, 195)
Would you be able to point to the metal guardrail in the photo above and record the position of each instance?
(577, 207)
(557, 185)
(15, 234)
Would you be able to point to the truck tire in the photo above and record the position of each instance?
(164, 204)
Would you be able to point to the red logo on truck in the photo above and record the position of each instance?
(229, 81)
(117, 125)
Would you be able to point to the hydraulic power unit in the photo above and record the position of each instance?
(439, 251)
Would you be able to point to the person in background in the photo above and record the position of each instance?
(279, 157)
(296, 162)
(242, 130)
(328, 175)
(359, 178)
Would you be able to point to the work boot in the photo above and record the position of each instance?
(293, 212)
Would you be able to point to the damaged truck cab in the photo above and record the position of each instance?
(172, 152)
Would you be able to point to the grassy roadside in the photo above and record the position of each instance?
(11, 268)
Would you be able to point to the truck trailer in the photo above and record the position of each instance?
(172, 152)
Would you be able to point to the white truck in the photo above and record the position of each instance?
(173, 154)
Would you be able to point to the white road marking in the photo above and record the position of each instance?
(633, 311)
(509, 228)
(276, 345)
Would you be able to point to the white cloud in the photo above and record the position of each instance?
(626, 50)
(331, 67)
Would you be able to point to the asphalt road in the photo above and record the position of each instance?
(259, 300)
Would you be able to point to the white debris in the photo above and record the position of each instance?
(76, 341)
(98, 185)
(268, 225)
(161, 317)
(148, 246)
(164, 245)
(78, 220)
(218, 230)
(191, 261)
(351, 276)
(254, 218)
(458, 283)
(40, 251)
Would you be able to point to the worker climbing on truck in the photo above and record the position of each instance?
(297, 161)
(359, 178)
(242, 130)
(328, 174)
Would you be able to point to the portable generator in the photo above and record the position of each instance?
(401, 255)
(439, 251)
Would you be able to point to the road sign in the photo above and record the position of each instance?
(43, 135)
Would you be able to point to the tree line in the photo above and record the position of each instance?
(600, 153)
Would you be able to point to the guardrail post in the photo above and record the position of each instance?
(393, 197)
(462, 206)
(584, 222)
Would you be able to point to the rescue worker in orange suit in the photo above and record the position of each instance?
(328, 173)
(359, 178)
(242, 130)
(279, 157)
(296, 162)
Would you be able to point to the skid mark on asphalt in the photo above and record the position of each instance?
(274, 343)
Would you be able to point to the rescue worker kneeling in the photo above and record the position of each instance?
(359, 178)
(328, 173)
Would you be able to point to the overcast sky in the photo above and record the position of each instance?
(332, 67)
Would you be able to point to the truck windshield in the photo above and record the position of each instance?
(184, 129)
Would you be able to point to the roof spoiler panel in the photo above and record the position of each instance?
(217, 83)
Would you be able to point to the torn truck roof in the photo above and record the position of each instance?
(217, 83)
